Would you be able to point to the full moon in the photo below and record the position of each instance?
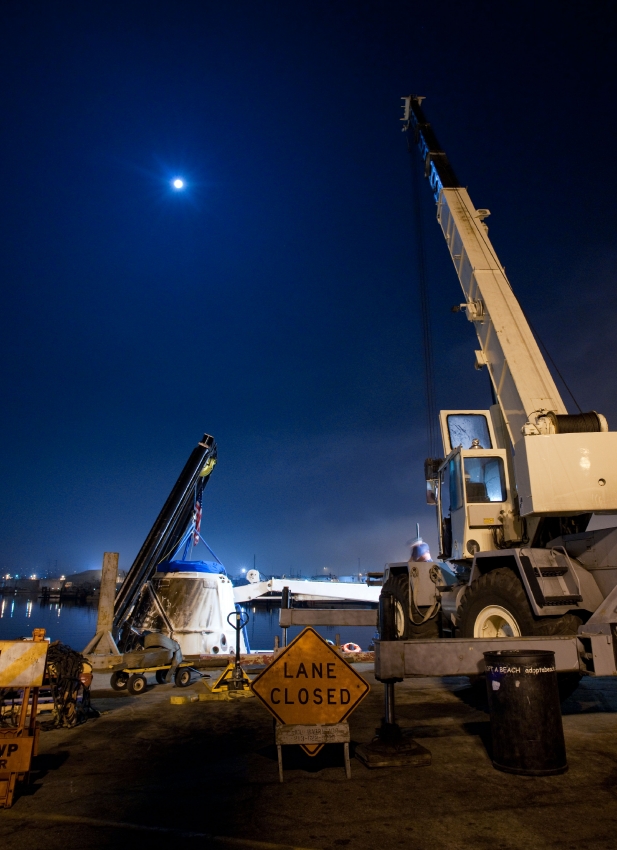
(178, 183)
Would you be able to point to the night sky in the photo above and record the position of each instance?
(274, 303)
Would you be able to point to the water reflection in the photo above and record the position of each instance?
(74, 623)
(68, 621)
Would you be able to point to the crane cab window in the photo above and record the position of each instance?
(484, 479)
(464, 428)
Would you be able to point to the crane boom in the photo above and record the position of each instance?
(167, 531)
(521, 380)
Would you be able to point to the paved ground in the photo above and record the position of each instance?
(148, 773)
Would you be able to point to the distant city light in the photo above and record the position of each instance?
(33, 575)
(177, 183)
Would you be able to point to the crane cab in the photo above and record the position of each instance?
(472, 486)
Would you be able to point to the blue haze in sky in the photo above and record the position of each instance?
(273, 302)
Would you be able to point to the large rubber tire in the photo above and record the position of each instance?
(502, 589)
(119, 681)
(161, 676)
(405, 629)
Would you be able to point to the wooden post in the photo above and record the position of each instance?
(102, 649)
(107, 597)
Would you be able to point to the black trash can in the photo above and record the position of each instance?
(523, 699)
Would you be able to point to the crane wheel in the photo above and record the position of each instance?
(496, 605)
(405, 628)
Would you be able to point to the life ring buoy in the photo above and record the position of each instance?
(351, 647)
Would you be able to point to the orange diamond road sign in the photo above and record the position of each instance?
(310, 684)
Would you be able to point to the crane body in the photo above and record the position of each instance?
(519, 481)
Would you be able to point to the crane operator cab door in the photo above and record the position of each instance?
(474, 492)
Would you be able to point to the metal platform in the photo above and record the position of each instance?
(464, 656)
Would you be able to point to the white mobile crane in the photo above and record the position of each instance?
(514, 491)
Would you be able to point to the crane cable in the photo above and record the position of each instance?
(429, 378)
(540, 342)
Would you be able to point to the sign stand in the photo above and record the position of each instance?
(311, 690)
(22, 665)
(331, 733)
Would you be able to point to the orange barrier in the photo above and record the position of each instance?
(22, 666)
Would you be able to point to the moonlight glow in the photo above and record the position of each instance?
(178, 183)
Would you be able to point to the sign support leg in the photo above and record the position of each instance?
(280, 755)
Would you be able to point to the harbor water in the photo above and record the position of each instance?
(74, 623)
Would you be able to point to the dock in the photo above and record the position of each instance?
(204, 774)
